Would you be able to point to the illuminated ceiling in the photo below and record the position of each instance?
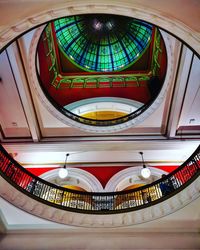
(103, 43)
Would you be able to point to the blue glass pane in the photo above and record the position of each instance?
(102, 42)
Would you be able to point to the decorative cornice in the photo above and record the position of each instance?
(159, 210)
(167, 22)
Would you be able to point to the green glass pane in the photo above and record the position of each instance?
(102, 42)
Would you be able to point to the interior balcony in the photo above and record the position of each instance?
(125, 203)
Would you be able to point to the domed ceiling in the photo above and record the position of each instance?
(103, 43)
(101, 70)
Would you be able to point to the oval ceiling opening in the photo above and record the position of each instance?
(101, 70)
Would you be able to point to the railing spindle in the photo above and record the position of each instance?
(87, 202)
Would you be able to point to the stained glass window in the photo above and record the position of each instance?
(102, 43)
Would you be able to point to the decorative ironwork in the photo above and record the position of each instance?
(99, 203)
(104, 123)
(98, 81)
(50, 53)
(157, 51)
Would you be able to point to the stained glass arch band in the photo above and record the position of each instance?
(102, 43)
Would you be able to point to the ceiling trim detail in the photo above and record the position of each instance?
(159, 210)
(140, 11)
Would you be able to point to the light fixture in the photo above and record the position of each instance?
(63, 172)
(145, 171)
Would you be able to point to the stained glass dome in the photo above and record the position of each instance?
(102, 43)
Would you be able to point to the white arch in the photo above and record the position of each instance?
(130, 176)
(103, 103)
(77, 177)
(170, 16)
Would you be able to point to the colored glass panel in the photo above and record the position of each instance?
(102, 42)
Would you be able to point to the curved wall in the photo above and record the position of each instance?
(181, 18)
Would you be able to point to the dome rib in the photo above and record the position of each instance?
(102, 43)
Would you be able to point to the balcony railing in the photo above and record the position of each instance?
(60, 80)
(99, 203)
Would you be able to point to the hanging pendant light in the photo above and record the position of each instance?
(145, 171)
(63, 172)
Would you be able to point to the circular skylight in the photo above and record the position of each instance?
(102, 43)
(86, 58)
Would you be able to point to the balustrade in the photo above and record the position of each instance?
(99, 203)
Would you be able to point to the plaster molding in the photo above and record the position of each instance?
(105, 145)
(159, 210)
(132, 9)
